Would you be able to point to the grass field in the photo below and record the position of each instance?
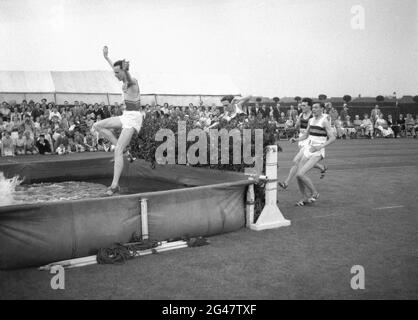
(367, 215)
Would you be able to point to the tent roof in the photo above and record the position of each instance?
(102, 82)
(85, 82)
(26, 81)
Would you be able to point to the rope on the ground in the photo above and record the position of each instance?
(119, 253)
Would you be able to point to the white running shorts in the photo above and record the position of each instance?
(131, 119)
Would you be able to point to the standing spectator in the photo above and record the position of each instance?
(375, 114)
(276, 112)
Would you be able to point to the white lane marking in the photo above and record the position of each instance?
(392, 207)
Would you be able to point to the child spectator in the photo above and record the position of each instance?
(61, 150)
(43, 145)
(79, 142)
(71, 146)
(7, 145)
(89, 142)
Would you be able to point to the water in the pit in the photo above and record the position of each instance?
(12, 191)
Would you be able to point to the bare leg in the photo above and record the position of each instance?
(122, 143)
(304, 167)
(294, 169)
(103, 127)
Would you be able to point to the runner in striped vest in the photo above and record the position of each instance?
(319, 134)
(302, 124)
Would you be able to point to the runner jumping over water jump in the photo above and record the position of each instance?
(130, 121)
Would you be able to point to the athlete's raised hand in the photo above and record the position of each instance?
(105, 52)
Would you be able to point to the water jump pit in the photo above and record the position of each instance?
(181, 201)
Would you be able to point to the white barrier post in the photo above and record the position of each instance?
(250, 205)
(144, 219)
(270, 217)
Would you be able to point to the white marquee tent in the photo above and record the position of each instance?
(102, 86)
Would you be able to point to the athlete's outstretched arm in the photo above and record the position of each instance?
(106, 56)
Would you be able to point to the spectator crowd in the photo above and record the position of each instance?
(46, 128)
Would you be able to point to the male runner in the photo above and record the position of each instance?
(320, 134)
(302, 125)
(130, 121)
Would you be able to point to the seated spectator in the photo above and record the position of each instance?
(349, 127)
(43, 145)
(61, 149)
(416, 126)
(90, 142)
(20, 144)
(394, 126)
(341, 133)
(367, 127)
(357, 124)
(37, 111)
(29, 143)
(7, 145)
(289, 127)
(401, 123)
(382, 127)
(409, 124)
(71, 146)
(60, 138)
(79, 141)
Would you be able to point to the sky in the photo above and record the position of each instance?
(268, 47)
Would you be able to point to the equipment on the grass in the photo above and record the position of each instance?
(119, 253)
